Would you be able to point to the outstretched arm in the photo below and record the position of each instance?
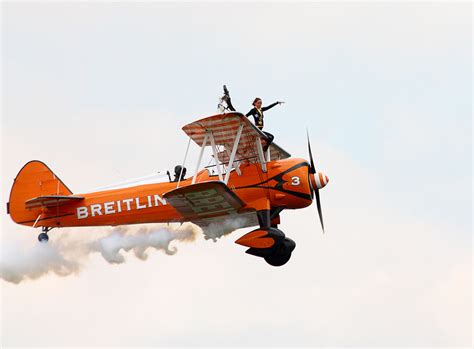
(251, 112)
(270, 106)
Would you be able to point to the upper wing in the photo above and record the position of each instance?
(202, 201)
(224, 128)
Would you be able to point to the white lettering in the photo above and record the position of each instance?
(127, 202)
(109, 207)
(112, 207)
(295, 180)
(82, 212)
(137, 202)
(119, 207)
(96, 209)
(158, 198)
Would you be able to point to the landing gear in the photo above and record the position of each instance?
(268, 242)
(43, 237)
(282, 254)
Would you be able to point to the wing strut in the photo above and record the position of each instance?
(216, 158)
(234, 151)
(261, 156)
(184, 161)
(204, 143)
(237, 164)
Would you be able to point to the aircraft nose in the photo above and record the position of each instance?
(319, 180)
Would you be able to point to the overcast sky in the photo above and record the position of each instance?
(100, 91)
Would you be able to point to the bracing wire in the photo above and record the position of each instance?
(184, 161)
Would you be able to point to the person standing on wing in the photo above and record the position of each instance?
(257, 113)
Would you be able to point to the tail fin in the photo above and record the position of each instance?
(34, 180)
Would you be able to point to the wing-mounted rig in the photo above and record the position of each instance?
(233, 139)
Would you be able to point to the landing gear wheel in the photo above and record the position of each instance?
(282, 254)
(43, 237)
(278, 260)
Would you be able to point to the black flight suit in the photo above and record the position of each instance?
(258, 118)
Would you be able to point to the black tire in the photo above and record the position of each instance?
(289, 244)
(43, 237)
(278, 260)
(283, 254)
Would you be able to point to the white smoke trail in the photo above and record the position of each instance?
(217, 230)
(139, 242)
(65, 255)
(18, 263)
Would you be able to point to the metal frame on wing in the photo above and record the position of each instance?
(241, 140)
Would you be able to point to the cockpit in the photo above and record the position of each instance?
(179, 173)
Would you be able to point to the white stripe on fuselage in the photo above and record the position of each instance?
(155, 178)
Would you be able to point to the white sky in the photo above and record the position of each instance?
(99, 92)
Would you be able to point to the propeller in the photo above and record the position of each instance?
(314, 173)
(312, 168)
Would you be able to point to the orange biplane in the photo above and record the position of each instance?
(250, 180)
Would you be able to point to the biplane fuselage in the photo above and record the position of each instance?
(286, 184)
(255, 180)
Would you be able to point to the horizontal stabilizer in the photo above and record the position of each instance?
(52, 201)
(205, 200)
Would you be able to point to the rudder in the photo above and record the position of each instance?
(35, 179)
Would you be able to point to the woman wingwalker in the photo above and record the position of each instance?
(257, 113)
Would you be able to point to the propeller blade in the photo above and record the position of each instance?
(316, 190)
(320, 212)
(312, 168)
